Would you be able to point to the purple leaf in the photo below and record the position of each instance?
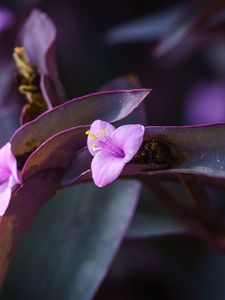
(25, 202)
(198, 19)
(173, 27)
(196, 150)
(95, 222)
(56, 153)
(79, 168)
(144, 29)
(201, 146)
(124, 83)
(39, 44)
(163, 210)
(110, 106)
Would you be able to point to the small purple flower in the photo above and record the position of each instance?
(8, 176)
(112, 149)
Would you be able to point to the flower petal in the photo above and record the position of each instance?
(5, 161)
(5, 195)
(8, 164)
(106, 168)
(129, 138)
(97, 126)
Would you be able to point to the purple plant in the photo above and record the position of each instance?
(35, 60)
(52, 152)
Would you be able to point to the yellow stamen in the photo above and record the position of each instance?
(28, 89)
(23, 63)
(99, 133)
(88, 132)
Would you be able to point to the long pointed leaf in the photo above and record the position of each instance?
(25, 202)
(110, 106)
(201, 148)
(76, 249)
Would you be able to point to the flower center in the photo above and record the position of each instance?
(103, 141)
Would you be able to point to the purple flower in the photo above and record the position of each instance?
(8, 176)
(112, 149)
